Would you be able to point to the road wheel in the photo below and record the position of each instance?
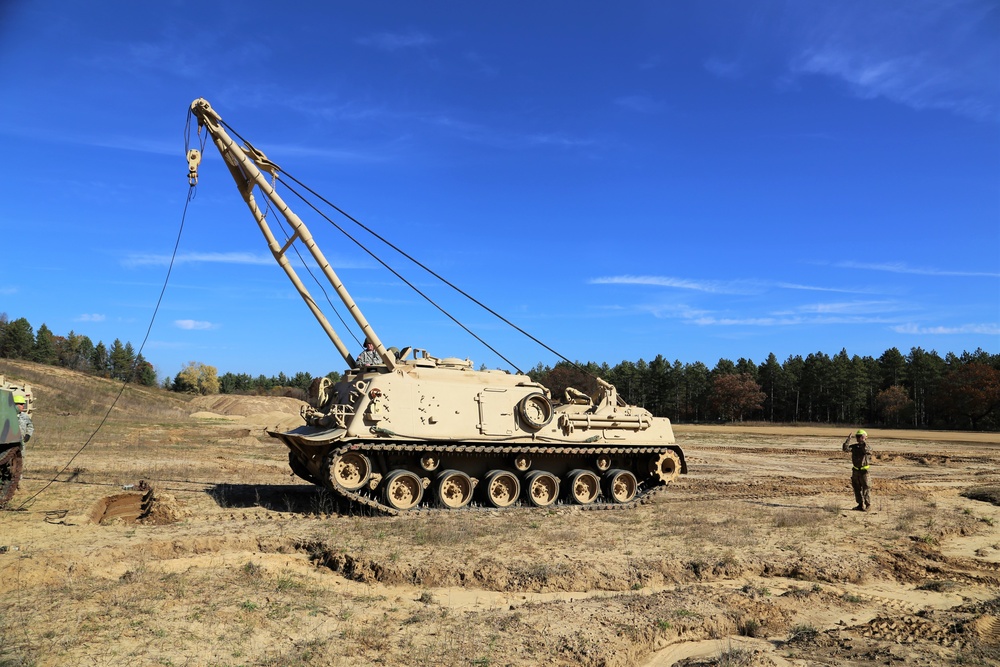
(502, 488)
(403, 490)
(620, 486)
(541, 488)
(454, 489)
(583, 486)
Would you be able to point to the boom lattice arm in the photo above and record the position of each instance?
(247, 166)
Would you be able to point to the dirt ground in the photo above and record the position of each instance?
(754, 558)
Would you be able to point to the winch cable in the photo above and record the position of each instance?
(412, 259)
(394, 271)
(422, 266)
(433, 273)
(191, 194)
(404, 254)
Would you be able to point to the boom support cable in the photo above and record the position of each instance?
(414, 261)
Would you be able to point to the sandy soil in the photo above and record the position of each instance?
(754, 558)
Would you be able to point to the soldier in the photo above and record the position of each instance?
(27, 428)
(860, 460)
(369, 357)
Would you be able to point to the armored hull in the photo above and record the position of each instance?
(436, 433)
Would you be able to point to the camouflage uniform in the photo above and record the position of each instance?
(861, 460)
(369, 358)
(27, 428)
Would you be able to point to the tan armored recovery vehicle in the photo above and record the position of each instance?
(415, 430)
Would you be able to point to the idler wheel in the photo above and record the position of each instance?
(584, 486)
(454, 489)
(541, 488)
(666, 466)
(620, 486)
(403, 490)
(350, 470)
(502, 488)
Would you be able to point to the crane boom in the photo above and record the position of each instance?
(247, 166)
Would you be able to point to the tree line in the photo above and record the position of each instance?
(19, 340)
(920, 389)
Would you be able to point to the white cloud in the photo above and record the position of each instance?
(989, 329)
(394, 41)
(900, 267)
(713, 286)
(89, 317)
(925, 55)
(194, 325)
(137, 260)
(848, 307)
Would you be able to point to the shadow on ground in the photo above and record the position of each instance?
(290, 498)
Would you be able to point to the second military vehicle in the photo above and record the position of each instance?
(11, 457)
(409, 430)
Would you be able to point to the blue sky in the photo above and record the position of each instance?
(700, 180)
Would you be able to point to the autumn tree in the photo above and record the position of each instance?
(197, 378)
(733, 396)
(892, 404)
(971, 390)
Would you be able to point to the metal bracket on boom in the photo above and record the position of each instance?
(261, 160)
(194, 159)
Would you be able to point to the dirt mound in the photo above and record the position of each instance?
(271, 412)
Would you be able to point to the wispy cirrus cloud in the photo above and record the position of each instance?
(859, 312)
(138, 260)
(194, 325)
(395, 41)
(925, 54)
(786, 321)
(713, 286)
(900, 267)
(90, 317)
(849, 307)
(988, 329)
(141, 259)
(719, 286)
